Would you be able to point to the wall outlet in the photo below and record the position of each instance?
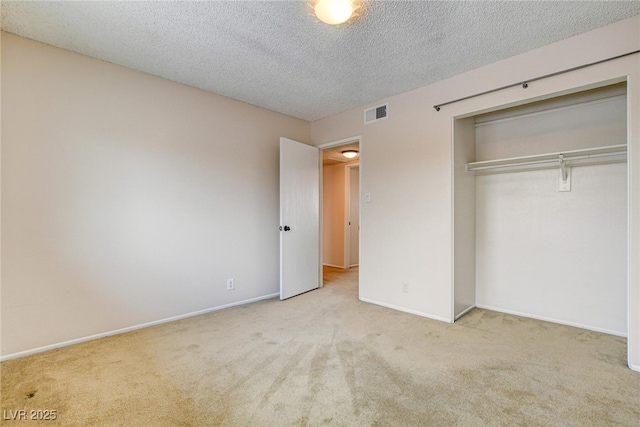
(231, 284)
(405, 288)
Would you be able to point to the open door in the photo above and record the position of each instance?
(299, 218)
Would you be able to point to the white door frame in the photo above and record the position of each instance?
(357, 138)
(347, 227)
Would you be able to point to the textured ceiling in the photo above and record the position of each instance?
(277, 55)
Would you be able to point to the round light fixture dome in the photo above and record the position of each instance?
(334, 12)
(350, 154)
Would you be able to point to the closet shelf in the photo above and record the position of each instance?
(564, 159)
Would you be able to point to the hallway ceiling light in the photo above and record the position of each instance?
(350, 154)
(334, 12)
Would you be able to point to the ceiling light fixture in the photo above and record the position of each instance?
(334, 12)
(350, 154)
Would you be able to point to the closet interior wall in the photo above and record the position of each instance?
(534, 250)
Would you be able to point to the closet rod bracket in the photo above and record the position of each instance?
(563, 168)
(564, 181)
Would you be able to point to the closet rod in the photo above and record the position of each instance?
(525, 84)
(557, 161)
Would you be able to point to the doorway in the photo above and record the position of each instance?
(341, 205)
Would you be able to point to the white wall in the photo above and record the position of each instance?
(560, 256)
(406, 230)
(126, 198)
(589, 119)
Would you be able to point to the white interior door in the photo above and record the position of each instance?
(299, 218)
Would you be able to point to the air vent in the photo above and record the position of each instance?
(374, 114)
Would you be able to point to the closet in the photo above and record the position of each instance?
(540, 210)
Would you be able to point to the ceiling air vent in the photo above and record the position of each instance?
(374, 114)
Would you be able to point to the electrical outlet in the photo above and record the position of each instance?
(405, 288)
(231, 284)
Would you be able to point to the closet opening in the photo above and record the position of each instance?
(541, 213)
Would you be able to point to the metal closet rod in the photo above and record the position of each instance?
(525, 84)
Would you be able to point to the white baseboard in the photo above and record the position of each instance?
(465, 312)
(634, 367)
(334, 266)
(406, 310)
(553, 320)
(132, 328)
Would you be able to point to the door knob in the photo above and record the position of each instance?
(287, 228)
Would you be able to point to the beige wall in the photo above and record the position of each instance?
(128, 199)
(406, 230)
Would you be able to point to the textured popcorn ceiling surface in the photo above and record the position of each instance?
(277, 55)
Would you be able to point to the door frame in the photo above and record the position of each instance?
(347, 227)
(321, 147)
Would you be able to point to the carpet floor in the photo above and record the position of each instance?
(325, 358)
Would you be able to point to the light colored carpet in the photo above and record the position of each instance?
(324, 358)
